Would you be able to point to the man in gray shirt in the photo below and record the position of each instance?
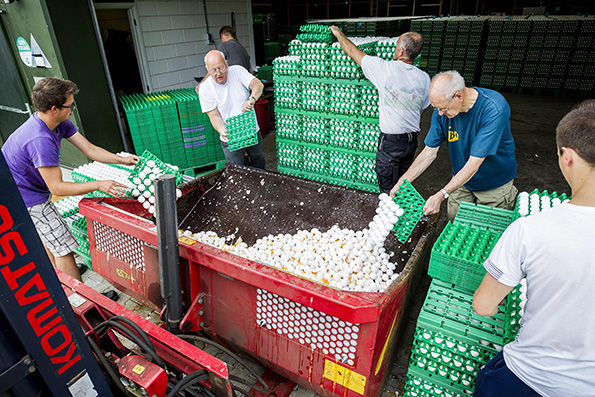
(234, 52)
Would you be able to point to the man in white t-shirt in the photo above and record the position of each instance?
(226, 92)
(554, 351)
(403, 93)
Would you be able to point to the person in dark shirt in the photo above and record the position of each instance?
(234, 52)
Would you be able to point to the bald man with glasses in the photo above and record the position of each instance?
(475, 123)
(228, 91)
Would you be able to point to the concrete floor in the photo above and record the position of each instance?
(533, 123)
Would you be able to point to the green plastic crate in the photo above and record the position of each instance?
(241, 129)
(412, 203)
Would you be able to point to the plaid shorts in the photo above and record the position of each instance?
(52, 229)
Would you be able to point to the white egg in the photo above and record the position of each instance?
(178, 193)
(141, 199)
(146, 205)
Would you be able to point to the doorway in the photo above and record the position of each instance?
(119, 46)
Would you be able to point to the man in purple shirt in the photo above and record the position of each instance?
(32, 153)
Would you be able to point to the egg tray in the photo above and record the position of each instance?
(423, 383)
(458, 255)
(412, 203)
(241, 129)
(541, 194)
(484, 217)
(448, 310)
(164, 167)
(78, 228)
(458, 379)
(513, 315)
(315, 33)
(451, 346)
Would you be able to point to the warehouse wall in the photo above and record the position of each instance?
(174, 35)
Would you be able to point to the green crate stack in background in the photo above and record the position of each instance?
(167, 124)
(171, 125)
(533, 54)
(326, 111)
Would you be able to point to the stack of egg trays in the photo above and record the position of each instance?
(412, 203)
(80, 176)
(288, 126)
(164, 167)
(316, 33)
(68, 206)
(79, 231)
(242, 131)
(265, 72)
(459, 253)
(290, 65)
(513, 314)
(551, 195)
(451, 342)
(290, 155)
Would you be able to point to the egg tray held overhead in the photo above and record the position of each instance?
(252, 203)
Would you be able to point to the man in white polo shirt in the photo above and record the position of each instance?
(227, 92)
(403, 93)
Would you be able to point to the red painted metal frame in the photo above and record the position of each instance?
(229, 284)
(182, 355)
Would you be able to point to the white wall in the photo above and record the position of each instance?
(174, 36)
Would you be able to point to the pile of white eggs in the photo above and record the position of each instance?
(340, 258)
(144, 187)
(529, 204)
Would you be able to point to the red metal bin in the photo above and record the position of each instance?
(283, 321)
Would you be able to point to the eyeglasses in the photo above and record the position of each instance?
(71, 107)
(222, 69)
(447, 106)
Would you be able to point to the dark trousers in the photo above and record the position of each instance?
(394, 157)
(496, 380)
(255, 154)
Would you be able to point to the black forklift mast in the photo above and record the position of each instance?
(43, 351)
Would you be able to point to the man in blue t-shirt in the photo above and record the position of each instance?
(475, 122)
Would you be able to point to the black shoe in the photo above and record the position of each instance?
(82, 268)
(113, 295)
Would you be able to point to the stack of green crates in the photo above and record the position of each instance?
(536, 53)
(171, 125)
(463, 246)
(265, 72)
(327, 112)
(451, 343)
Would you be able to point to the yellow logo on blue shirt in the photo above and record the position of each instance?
(452, 135)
